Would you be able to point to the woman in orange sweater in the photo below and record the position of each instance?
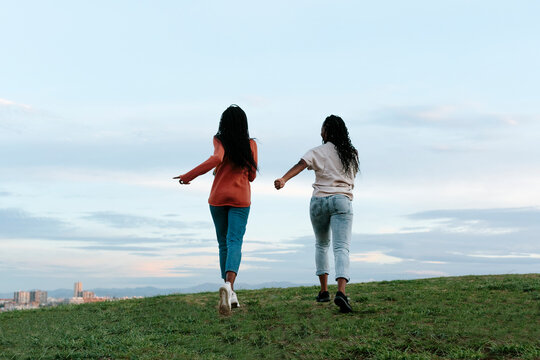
(235, 164)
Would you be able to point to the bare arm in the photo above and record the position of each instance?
(295, 170)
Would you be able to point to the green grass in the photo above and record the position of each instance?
(472, 317)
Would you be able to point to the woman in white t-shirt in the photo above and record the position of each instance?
(335, 164)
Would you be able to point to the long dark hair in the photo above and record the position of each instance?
(336, 132)
(234, 136)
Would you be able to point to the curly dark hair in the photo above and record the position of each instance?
(336, 132)
(234, 136)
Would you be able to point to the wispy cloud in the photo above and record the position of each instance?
(503, 220)
(507, 256)
(258, 259)
(16, 223)
(444, 117)
(119, 220)
(124, 248)
(9, 103)
(375, 257)
(196, 262)
(19, 224)
(426, 272)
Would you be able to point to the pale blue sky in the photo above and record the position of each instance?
(102, 103)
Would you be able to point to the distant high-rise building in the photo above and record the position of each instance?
(21, 297)
(38, 296)
(77, 289)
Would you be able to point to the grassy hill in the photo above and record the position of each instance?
(472, 317)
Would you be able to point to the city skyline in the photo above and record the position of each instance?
(441, 101)
(34, 299)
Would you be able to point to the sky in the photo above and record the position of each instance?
(102, 103)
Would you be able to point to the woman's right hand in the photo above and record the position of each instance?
(279, 183)
(179, 177)
(295, 170)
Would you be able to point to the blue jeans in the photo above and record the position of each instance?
(332, 214)
(230, 223)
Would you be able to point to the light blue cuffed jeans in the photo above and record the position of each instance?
(230, 223)
(332, 214)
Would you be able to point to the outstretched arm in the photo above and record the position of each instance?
(212, 162)
(295, 170)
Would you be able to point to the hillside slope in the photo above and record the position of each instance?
(472, 317)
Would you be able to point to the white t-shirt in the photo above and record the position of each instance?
(329, 176)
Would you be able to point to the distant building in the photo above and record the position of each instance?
(75, 300)
(21, 297)
(88, 295)
(77, 289)
(4, 302)
(38, 296)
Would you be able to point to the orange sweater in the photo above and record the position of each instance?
(231, 184)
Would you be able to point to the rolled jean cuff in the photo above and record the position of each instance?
(343, 277)
(319, 273)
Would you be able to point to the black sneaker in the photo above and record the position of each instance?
(324, 296)
(342, 301)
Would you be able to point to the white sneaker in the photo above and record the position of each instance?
(234, 301)
(225, 299)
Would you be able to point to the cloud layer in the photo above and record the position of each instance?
(449, 242)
